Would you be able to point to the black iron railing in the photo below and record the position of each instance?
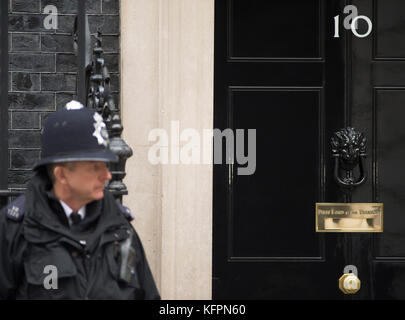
(93, 91)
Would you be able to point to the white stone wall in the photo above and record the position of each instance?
(167, 50)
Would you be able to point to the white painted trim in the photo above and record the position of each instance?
(167, 54)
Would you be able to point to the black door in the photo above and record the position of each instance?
(280, 69)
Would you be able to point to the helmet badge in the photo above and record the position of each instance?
(73, 105)
(100, 130)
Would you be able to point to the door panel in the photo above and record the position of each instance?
(390, 157)
(254, 29)
(389, 29)
(261, 222)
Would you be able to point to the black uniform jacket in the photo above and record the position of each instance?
(90, 259)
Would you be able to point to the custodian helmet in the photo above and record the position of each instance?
(75, 134)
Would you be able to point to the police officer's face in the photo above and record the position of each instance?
(86, 180)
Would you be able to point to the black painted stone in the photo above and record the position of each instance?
(24, 159)
(66, 62)
(19, 178)
(25, 42)
(111, 6)
(106, 24)
(70, 6)
(112, 62)
(66, 24)
(62, 99)
(93, 6)
(31, 101)
(58, 82)
(57, 43)
(115, 82)
(26, 22)
(25, 5)
(110, 43)
(43, 116)
(33, 62)
(24, 138)
(25, 120)
(10, 42)
(44, 60)
(26, 81)
(63, 6)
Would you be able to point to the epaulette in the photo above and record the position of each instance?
(127, 213)
(15, 210)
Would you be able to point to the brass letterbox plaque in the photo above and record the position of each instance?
(349, 217)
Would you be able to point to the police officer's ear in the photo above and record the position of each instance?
(58, 174)
(59, 171)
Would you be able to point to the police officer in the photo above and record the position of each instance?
(67, 237)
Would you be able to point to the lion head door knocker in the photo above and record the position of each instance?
(349, 151)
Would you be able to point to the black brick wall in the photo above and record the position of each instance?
(42, 71)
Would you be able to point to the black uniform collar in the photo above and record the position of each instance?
(93, 211)
(56, 207)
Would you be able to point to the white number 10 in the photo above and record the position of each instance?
(353, 25)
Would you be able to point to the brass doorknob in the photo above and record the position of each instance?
(349, 283)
